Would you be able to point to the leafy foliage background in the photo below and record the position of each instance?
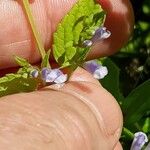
(129, 80)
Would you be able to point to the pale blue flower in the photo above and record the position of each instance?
(100, 34)
(100, 73)
(97, 70)
(53, 75)
(139, 140)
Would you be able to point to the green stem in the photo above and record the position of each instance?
(33, 27)
(128, 133)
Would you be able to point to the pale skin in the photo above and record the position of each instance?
(79, 115)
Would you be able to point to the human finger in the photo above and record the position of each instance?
(57, 118)
(16, 36)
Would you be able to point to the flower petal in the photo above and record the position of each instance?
(61, 79)
(52, 75)
(100, 34)
(100, 73)
(96, 69)
(44, 73)
(139, 140)
(91, 66)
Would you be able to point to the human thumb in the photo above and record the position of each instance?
(77, 115)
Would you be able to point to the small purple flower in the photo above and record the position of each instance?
(91, 66)
(53, 75)
(34, 73)
(139, 140)
(100, 34)
(49, 75)
(98, 71)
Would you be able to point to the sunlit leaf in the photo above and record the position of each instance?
(76, 27)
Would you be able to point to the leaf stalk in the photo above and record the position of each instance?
(38, 40)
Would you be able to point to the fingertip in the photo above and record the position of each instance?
(82, 75)
(85, 87)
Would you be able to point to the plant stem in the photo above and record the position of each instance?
(128, 133)
(33, 27)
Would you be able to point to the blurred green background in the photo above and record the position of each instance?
(134, 58)
(129, 76)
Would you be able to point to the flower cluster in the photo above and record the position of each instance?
(139, 141)
(97, 70)
(100, 34)
(51, 75)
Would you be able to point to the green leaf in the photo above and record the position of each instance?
(26, 66)
(146, 127)
(16, 83)
(76, 27)
(111, 81)
(19, 82)
(137, 103)
(45, 61)
(22, 62)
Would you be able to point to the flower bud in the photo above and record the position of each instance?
(34, 73)
(139, 140)
(87, 43)
(44, 73)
